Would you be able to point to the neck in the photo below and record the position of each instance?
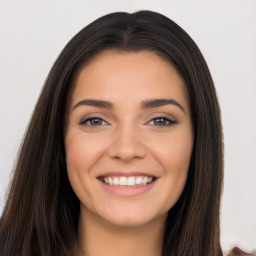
(98, 237)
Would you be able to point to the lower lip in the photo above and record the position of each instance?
(127, 191)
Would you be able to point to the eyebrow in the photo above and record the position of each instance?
(151, 103)
(95, 103)
(160, 102)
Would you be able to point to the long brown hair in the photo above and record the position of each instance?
(41, 213)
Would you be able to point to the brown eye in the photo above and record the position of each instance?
(162, 121)
(93, 121)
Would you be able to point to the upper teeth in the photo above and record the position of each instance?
(127, 181)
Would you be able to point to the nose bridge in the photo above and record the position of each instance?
(127, 142)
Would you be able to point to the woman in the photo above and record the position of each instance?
(123, 154)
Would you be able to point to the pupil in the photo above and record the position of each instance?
(96, 121)
(160, 121)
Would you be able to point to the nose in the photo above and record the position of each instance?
(127, 144)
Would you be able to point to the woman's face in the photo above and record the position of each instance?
(128, 137)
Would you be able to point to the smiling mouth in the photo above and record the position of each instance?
(132, 181)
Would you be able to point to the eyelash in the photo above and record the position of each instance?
(167, 121)
(89, 120)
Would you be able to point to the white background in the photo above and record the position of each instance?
(32, 34)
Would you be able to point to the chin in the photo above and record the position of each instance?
(122, 219)
(128, 222)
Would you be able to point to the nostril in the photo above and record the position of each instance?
(127, 143)
(126, 151)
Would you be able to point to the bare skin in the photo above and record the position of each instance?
(97, 237)
(128, 119)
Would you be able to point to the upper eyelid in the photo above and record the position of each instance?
(171, 120)
(84, 119)
(161, 115)
(94, 115)
(164, 117)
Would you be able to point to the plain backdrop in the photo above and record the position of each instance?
(32, 34)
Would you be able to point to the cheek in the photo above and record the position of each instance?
(82, 152)
(174, 151)
(174, 155)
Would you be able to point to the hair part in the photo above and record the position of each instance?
(41, 213)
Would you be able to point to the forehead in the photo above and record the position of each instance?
(134, 74)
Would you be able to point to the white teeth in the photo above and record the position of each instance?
(145, 179)
(123, 181)
(138, 180)
(127, 181)
(131, 181)
(116, 181)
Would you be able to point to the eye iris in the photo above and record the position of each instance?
(160, 121)
(96, 121)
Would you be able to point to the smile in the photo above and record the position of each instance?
(130, 181)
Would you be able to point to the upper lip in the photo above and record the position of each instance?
(126, 174)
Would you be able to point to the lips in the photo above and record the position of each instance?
(126, 179)
(124, 184)
(129, 181)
